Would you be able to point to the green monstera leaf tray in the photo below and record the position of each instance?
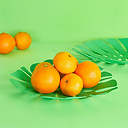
(23, 82)
(107, 50)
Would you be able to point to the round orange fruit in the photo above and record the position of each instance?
(23, 40)
(7, 43)
(65, 63)
(71, 84)
(45, 78)
(89, 72)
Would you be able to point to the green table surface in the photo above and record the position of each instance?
(18, 109)
(59, 25)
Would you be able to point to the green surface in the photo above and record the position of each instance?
(18, 109)
(65, 20)
(60, 25)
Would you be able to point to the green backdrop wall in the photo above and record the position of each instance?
(65, 20)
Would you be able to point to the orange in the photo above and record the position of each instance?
(89, 72)
(65, 63)
(71, 84)
(77, 62)
(23, 40)
(7, 43)
(45, 78)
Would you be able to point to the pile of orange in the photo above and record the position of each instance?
(67, 73)
(22, 40)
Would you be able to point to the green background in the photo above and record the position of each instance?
(59, 25)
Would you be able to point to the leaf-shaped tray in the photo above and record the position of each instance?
(107, 50)
(23, 82)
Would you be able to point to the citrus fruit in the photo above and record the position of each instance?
(89, 72)
(23, 40)
(65, 63)
(7, 43)
(45, 78)
(71, 84)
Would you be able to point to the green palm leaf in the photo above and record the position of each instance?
(23, 82)
(108, 50)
